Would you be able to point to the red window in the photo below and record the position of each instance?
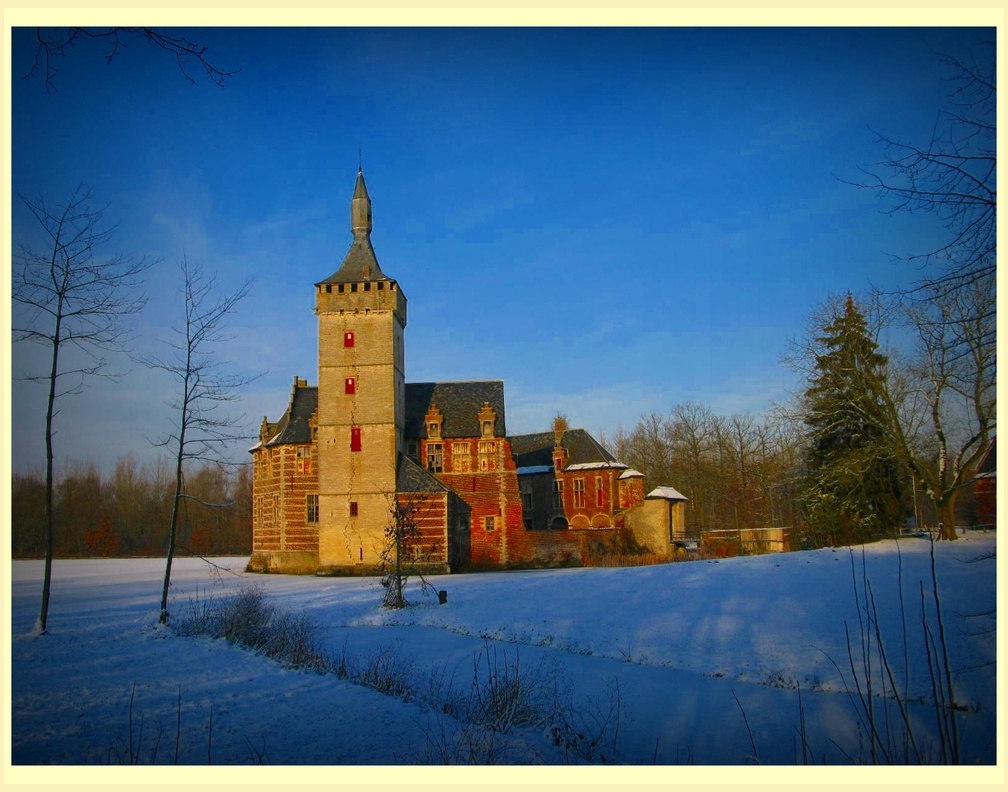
(353, 508)
(355, 442)
(348, 338)
(351, 385)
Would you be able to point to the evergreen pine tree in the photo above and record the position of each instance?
(853, 488)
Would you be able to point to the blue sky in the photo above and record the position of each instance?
(612, 221)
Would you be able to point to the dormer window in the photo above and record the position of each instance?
(487, 420)
(434, 421)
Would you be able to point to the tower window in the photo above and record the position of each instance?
(340, 288)
(311, 504)
(328, 288)
(490, 522)
(558, 494)
(348, 338)
(353, 508)
(355, 438)
(351, 385)
(353, 287)
(599, 490)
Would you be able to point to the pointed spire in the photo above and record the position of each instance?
(360, 263)
(360, 208)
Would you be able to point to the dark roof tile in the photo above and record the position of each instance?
(410, 477)
(537, 449)
(293, 425)
(459, 403)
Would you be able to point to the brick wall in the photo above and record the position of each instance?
(284, 477)
(490, 489)
(599, 497)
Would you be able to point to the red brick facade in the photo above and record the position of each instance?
(481, 471)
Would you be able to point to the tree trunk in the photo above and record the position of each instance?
(43, 619)
(945, 508)
(173, 528)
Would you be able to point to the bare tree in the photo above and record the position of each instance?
(944, 415)
(404, 553)
(54, 43)
(953, 177)
(68, 297)
(205, 430)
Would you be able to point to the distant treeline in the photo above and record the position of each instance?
(736, 471)
(739, 472)
(128, 513)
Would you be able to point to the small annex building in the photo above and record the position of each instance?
(328, 473)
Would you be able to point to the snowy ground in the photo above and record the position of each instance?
(693, 656)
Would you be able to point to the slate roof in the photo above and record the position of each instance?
(459, 403)
(293, 424)
(410, 477)
(360, 263)
(537, 449)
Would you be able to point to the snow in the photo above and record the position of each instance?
(668, 493)
(530, 469)
(702, 652)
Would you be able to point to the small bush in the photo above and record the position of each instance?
(248, 619)
(387, 671)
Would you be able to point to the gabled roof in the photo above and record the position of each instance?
(459, 403)
(293, 424)
(537, 449)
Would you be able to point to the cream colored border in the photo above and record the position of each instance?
(461, 14)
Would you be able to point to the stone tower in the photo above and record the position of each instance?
(361, 398)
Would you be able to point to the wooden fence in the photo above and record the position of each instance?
(745, 541)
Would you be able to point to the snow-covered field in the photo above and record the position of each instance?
(706, 663)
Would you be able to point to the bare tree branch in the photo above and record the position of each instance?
(954, 179)
(55, 43)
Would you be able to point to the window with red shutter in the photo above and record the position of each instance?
(348, 338)
(355, 439)
(351, 385)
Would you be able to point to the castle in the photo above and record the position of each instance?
(327, 474)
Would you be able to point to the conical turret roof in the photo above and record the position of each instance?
(360, 263)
